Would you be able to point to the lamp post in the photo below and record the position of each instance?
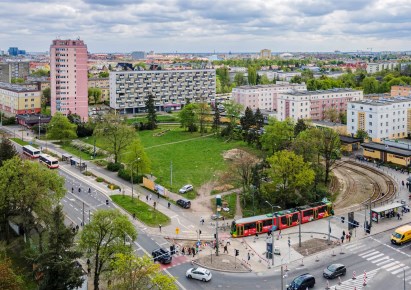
(39, 125)
(132, 180)
(272, 232)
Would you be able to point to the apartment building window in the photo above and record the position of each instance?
(370, 116)
(370, 123)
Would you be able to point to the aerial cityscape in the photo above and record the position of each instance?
(196, 145)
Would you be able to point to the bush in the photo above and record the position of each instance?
(113, 186)
(114, 166)
(99, 179)
(101, 163)
(124, 174)
(87, 173)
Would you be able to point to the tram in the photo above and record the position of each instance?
(281, 219)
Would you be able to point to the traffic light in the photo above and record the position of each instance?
(215, 236)
(106, 201)
(199, 232)
(342, 219)
(172, 249)
(237, 252)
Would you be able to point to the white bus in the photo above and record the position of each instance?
(49, 161)
(31, 151)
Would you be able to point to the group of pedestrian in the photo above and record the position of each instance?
(189, 251)
(345, 236)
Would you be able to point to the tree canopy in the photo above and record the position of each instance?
(60, 128)
(278, 135)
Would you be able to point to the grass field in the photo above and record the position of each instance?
(160, 119)
(231, 199)
(23, 143)
(143, 211)
(70, 149)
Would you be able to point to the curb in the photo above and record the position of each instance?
(222, 270)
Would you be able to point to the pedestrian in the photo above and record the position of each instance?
(193, 251)
(223, 218)
(349, 236)
(183, 251)
(398, 216)
(134, 216)
(342, 239)
(77, 227)
(158, 195)
(343, 233)
(225, 249)
(72, 190)
(159, 226)
(154, 205)
(150, 196)
(79, 190)
(189, 251)
(146, 197)
(346, 237)
(168, 204)
(248, 256)
(201, 221)
(403, 183)
(228, 242)
(89, 190)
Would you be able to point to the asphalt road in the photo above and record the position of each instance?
(383, 263)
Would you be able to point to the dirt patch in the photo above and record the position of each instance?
(221, 262)
(236, 153)
(224, 187)
(313, 246)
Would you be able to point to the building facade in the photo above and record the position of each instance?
(139, 55)
(381, 119)
(14, 70)
(263, 97)
(265, 54)
(374, 67)
(400, 91)
(171, 89)
(314, 104)
(16, 99)
(103, 84)
(68, 77)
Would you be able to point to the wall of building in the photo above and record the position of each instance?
(16, 99)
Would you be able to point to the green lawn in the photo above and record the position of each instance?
(160, 118)
(23, 143)
(143, 211)
(70, 149)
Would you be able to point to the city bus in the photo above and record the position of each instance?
(281, 219)
(31, 151)
(49, 161)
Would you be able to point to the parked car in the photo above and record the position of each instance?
(161, 255)
(302, 282)
(334, 270)
(199, 274)
(186, 188)
(184, 203)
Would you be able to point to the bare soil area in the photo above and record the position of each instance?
(313, 246)
(221, 262)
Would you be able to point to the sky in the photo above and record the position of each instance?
(207, 26)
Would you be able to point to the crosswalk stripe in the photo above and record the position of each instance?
(370, 254)
(375, 257)
(394, 267)
(380, 259)
(407, 278)
(366, 252)
(389, 265)
(400, 270)
(354, 246)
(384, 262)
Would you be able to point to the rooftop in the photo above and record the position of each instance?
(331, 91)
(383, 101)
(386, 148)
(268, 86)
(15, 88)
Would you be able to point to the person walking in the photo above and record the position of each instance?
(248, 256)
(72, 190)
(225, 249)
(89, 190)
(79, 190)
(146, 197)
(159, 226)
(193, 251)
(342, 239)
(168, 204)
(343, 233)
(398, 216)
(183, 251)
(189, 251)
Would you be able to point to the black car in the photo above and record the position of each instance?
(161, 255)
(185, 203)
(302, 282)
(334, 270)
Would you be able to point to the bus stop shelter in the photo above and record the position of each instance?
(78, 163)
(386, 211)
(66, 157)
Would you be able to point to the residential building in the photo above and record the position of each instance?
(263, 97)
(381, 119)
(314, 104)
(265, 53)
(68, 77)
(138, 55)
(400, 91)
(14, 70)
(16, 99)
(373, 67)
(103, 84)
(172, 89)
(278, 75)
(15, 51)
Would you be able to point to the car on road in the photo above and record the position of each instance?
(184, 203)
(186, 188)
(161, 255)
(401, 235)
(334, 270)
(199, 274)
(302, 282)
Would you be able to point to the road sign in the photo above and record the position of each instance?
(177, 230)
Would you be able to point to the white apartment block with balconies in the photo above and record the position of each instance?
(374, 67)
(381, 119)
(263, 97)
(171, 89)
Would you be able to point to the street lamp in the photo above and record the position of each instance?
(272, 232)
(132, 180)
(39, 125)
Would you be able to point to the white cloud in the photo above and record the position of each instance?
(199, 25)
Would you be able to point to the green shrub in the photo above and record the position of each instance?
(87, 173)
(124, 174)
(99, 179)
(114, 166)
(101, 162)
(113, 186)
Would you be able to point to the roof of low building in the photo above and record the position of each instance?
(386, 148)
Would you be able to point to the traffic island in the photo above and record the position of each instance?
(223, 263)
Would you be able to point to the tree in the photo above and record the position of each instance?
(248, 120)
(151, 113)
(264, 80)
(30, 191)
(46, 97)
(252, 76)
(94, 94)
(361, 134)
(103, 74)
(9, 280)
(188, 117)
(202, 111)
(137, 157)
(105, 237)
(131, 272)
(300, 126)
(289, 174)
(233, 111)
(60, 128)
(216, 120)
(7, 150)
(259, 119)
(278, 135)
(117, 134)
(330, 149)
(239, 79)
(57, 264)
(370, 85)
(331, 115)
(223, 76)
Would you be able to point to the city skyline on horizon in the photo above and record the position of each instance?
(178, 25)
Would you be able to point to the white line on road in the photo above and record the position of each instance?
(375, 257)
(385, 262)
(381, 259)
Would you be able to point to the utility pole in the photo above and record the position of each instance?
(282, 277)
(83, 213)
(216, 234)
(299, 227)
(329, 230)
(39, 125)
(171, 173)
(370, 214)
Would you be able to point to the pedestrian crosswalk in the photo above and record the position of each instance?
(357, 283)
(382, 261)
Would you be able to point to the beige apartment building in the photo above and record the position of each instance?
(103, 84)
(16, 99)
